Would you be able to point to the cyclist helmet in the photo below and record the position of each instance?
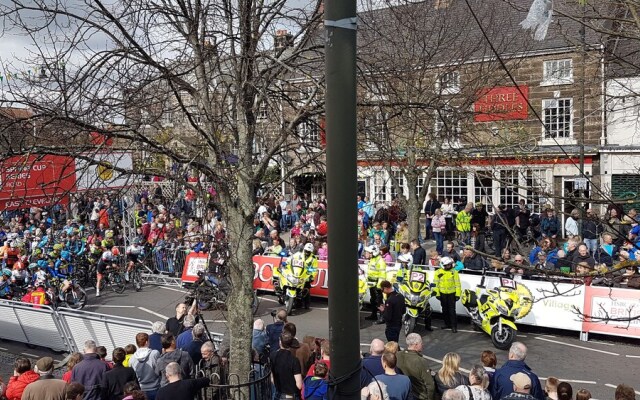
(33, 265)
(446, 262)
(58, 247)
(6, 272)
(373, 250)
(308, 247)
(108, 234)
(406, 259)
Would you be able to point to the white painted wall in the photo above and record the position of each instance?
(623, 111)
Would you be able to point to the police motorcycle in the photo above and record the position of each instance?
(291, 277)
(363, 286)
(416, 289)
(495, 311)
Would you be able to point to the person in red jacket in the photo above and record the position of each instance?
(22, 376)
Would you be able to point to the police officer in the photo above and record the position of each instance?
(310, 262)
(392, 311)
(376, 273)
(447, 290)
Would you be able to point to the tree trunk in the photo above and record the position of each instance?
(239, 315)
(413, 217)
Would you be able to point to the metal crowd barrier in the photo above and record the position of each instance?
(168, 260)
(65, 329)
(106, 330)
(34, 325)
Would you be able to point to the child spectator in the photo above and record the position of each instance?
(316, 386)
(130, 349)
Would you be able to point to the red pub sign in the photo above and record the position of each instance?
(501, 104)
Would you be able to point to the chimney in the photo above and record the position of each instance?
(282, 40)
(441, 4)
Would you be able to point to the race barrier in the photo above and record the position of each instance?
(66, 329)
(612, 311)
(107, 330)
(33, 325)
(557, 305)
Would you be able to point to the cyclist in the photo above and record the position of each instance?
(134, 253)
(106, 259)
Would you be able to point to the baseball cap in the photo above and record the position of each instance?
(521, 380)
(45, 364)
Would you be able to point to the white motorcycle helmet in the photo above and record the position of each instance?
(308, 247)
(373, 250)
(445, 262)
(406, 259)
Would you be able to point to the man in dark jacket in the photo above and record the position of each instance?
(413, 365)
(472, 260)
(89, 372)
(418, 253)
(591, 230)
(429, 211)
(275, 330)
(372, 364)
(521, 387)
(392, 311)
(172, 354)
(501, 384)
(114, 380)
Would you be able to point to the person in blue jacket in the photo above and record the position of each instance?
(501, 384)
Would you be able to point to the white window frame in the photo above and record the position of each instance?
(263, 111)
(309, 133)
(374, 128)
(557, 72)
(453, 191)
(548, 134)
(380, 187)
(445, 111)
(449, 82)
(378, 92)
(399, 175)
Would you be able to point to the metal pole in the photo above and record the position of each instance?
(581, 192)
(344, 317)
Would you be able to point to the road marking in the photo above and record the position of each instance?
(576, 346)
(606, 384)
(173, 289)
(464, 330)
(3, 349)
(30, 355)
(216, 320)
(630, 356)
(107, 306)
(572, 381)
(268, 299)
(153, 312)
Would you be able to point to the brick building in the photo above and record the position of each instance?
(494, 136)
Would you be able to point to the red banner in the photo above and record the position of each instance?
(46, 177)
(501, 104)
(263, 267)
(612, 311)
(28, 202)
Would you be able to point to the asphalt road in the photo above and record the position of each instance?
(598, 365)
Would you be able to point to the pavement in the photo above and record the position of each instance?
(598, 365)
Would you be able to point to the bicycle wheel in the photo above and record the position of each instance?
(137, 280)
(117, 282)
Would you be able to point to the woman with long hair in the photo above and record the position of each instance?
(449, 376)
(478, 384)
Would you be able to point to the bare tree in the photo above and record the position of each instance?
(194, 84)
(420, 75)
